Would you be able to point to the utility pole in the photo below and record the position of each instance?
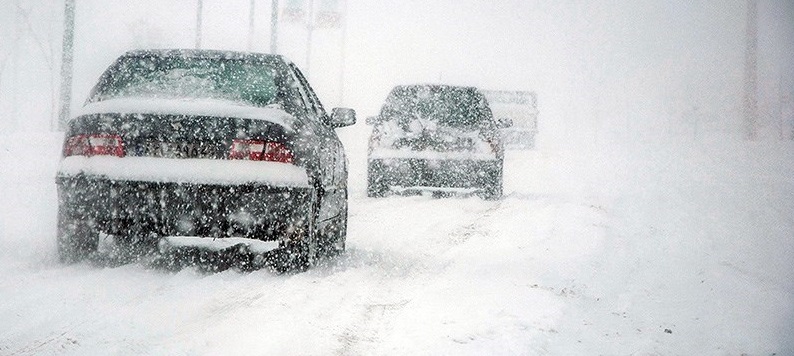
(751, 72)
(309, 30)
(274, 27)
(199, 10)
(67, 58)
(251, 18)
(343, 54)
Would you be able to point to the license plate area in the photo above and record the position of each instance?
(180, 150)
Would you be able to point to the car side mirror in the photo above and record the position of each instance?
(342, 117)
(372, 120)
(504, 122)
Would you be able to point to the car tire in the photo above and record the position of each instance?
(376, 187)
(299, 255)
(333, 243)
(76, 238)
(493, 185)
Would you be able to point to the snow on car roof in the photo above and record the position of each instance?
(189, 106)
(202, 53)
(430, 86)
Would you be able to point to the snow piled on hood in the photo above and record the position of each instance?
(189, 106)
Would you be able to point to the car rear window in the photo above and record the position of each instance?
(178, 77)
(449, 106)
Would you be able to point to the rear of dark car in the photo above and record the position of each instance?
(197, 144)
(157, 174)
(435, 138)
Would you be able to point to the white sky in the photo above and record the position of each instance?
(598, 66)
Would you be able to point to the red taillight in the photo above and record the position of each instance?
(94, 145)
(256, 150)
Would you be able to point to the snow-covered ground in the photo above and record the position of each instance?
(655, 248)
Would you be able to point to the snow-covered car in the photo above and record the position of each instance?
(175, 145)
(435, 138)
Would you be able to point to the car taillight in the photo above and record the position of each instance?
(256, 150)
(94, 145)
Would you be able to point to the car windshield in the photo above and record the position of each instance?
(184, 77)
(448, 106)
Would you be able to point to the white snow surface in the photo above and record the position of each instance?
(188, 106)
(196, 171)
(668, 248)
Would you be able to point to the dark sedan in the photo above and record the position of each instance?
(175, 146)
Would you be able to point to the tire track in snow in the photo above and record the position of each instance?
(404, 273)
(367, 331)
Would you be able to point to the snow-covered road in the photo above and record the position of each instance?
(642, 250)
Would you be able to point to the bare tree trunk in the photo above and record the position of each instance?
(67, 59)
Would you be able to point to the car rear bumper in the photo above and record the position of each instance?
(155, 209)
(427, 174)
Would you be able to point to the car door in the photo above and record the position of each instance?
(331, 153)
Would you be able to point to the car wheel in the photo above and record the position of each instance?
(333, 243)
(376, 187)
(77, 239)
(300, 254)
(493, 185)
